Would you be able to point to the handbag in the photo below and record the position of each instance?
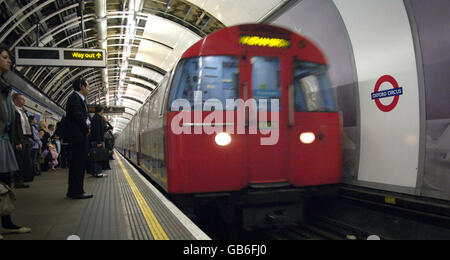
(99, 154)
(7, 199)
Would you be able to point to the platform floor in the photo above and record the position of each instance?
(125, 207)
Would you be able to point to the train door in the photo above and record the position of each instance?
(265, 88)
(314, 129)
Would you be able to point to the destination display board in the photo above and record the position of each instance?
(60, 57)
(258, 41)
(113, 110)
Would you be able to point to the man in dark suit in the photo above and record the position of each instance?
(79, 126)
(22, 143)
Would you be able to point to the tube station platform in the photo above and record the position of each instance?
(125, 206)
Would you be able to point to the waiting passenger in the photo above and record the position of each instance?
(79, 122)
(45, 135)
(22, 143)
(64, 152)
(36, 144)
(109, 143)
(46, 140)
(51, 129)
(58, 145)
(97, 141)
(53, 156)
(7, 157)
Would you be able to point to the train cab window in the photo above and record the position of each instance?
(312, 88)
(213, 78)
(266, 81)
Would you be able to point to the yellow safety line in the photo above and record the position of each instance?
(152, 222)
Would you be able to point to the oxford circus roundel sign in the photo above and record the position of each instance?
(395, 92)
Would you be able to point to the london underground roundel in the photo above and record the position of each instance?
(395, 92)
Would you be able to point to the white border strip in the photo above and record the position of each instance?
(188, 224)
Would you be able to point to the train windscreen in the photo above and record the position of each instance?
(312, 88)
(266, 81)
(213, 79)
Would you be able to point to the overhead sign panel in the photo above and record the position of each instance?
(60, 57)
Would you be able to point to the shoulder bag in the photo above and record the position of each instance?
(7, 199)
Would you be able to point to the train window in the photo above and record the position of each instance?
(266, 81)
(213, 78)
(145, 113)
(312, 88)
(164, 83)
(155, 102)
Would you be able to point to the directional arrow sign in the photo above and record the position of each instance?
(83, 55)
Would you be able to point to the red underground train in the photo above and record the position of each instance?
(247, 120)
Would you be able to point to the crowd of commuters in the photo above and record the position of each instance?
(29, 147)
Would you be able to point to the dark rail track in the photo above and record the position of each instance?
(357, 214)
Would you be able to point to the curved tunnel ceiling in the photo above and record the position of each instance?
(143, 39)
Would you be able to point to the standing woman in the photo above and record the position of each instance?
(8, 162)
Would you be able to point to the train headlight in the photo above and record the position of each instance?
(307, 137)
(223, 139)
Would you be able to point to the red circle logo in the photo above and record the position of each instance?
(395, 92)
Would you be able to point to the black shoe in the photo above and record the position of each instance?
(79, 196)
(22, 186)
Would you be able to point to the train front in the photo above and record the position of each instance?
(251, 114)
